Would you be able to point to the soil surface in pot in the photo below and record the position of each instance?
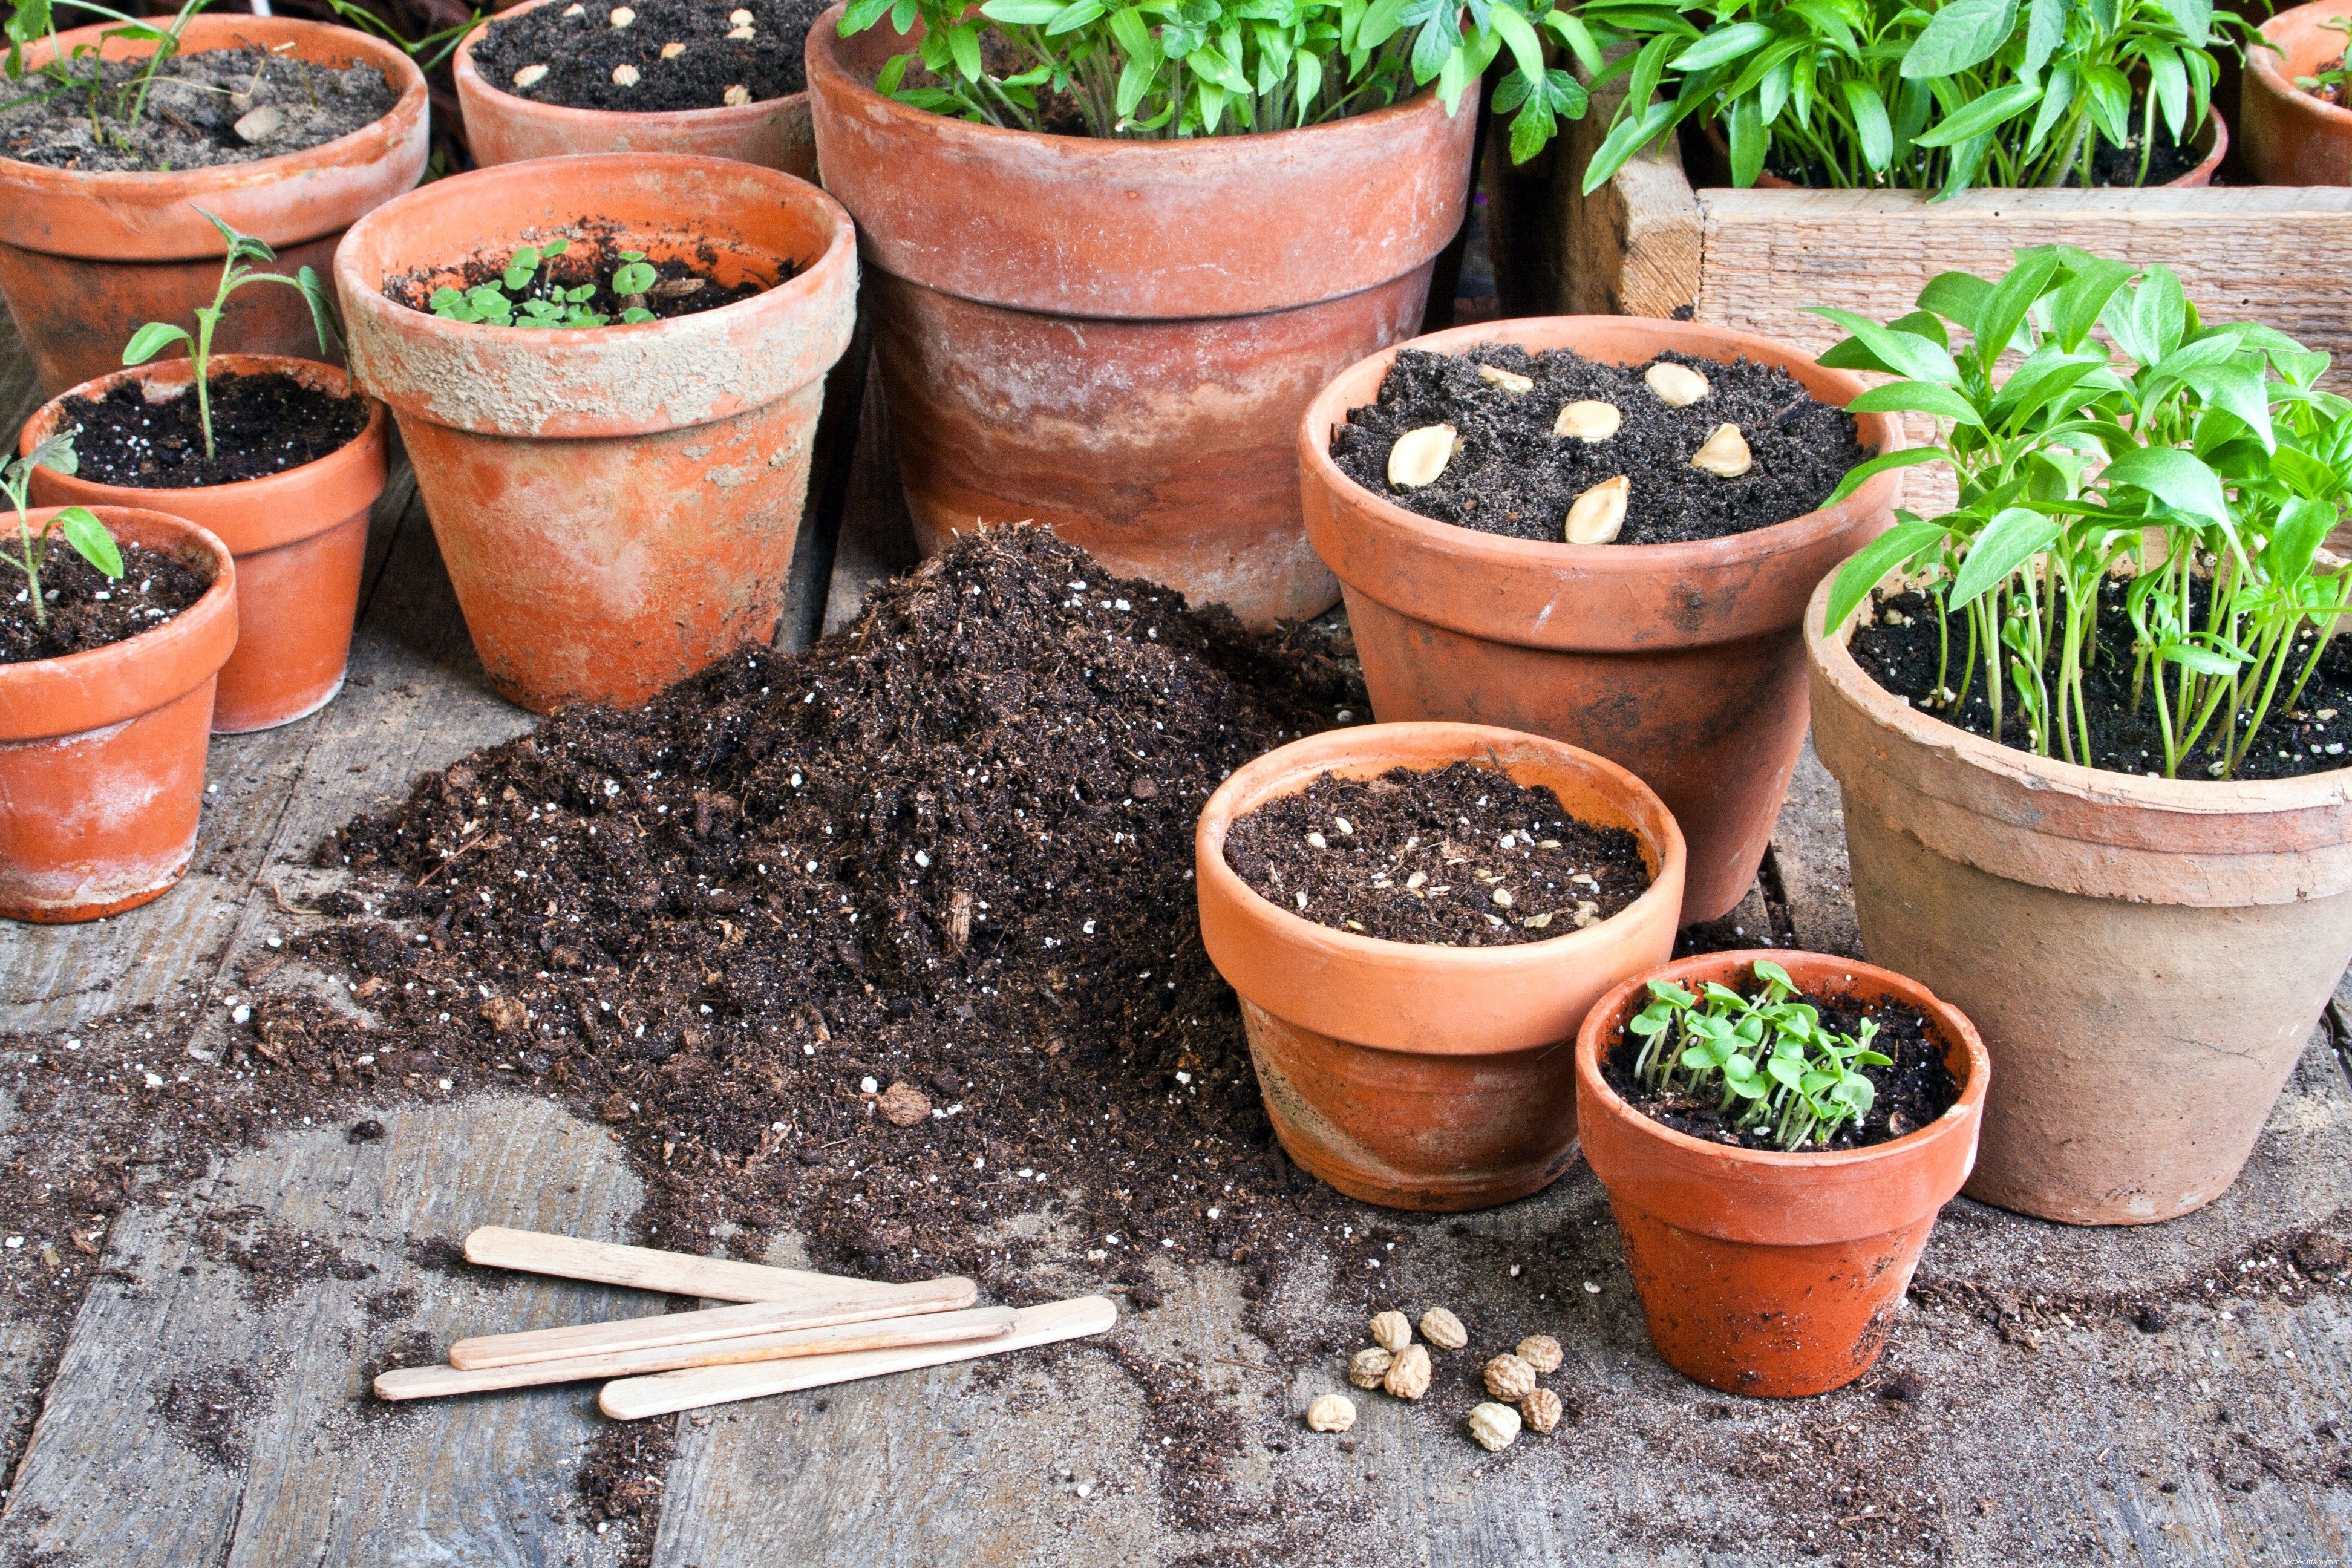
(2333, 92)
(1465, 856)
(262, 425)
(679, 52)
(687, 287)
(1514, 477)
(1895, 643)
(86, 610)
(219, 106)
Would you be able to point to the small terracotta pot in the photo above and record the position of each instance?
(102, 754)
(1112, 338)
(502, 127)
(1760, 1272)
(2291, 137)
(86, 259)
(2145, 957)
(1681, 661)
(616, 507)
(1425, 1077)
(2217, 142)
(299, 539)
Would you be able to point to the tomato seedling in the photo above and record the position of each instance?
(78, 523)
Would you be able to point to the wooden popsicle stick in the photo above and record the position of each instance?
(981, 1324)
(634, 1398)
(815, 1310)
(648, 1269)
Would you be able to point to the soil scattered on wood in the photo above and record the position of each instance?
(1514, 476)
(86, 609)
(1465, 856)
(219, 106)
(262, 425)
(683, 54)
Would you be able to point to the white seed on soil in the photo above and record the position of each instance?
(1676, 385)
(1586, 913)
(1502, 897)
(1317, 841)
(625, 75)
(1538, 922)
(1415, 881)
(1420, 456)
(1506, 380)
(736, 96)
(1302, 898)
(1588, 421)
(622, 17)
(744, 34)
(1343, 824)
(576, 10)
(740, 18)
(672, 49)
(1725, 454)
(1597, 515)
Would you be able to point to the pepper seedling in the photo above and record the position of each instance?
(78, 523)
(528, 294)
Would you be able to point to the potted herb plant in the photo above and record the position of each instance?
(1776, 1133)
(607, 370)
(108, 652)
(276, 458)
(1663, 632)
(1115, 248)
(1416, 917)
(2092, 760)
(114, 135)
(2291, 105)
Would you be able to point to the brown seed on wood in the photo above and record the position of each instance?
(1391, 1331)
(1541, 1352)
(1408, 1378)
(902, 1104)
(1443, 1330)
(1332, 1413)
(1509, 1378)
(1368, 1367)
(1540, 1409)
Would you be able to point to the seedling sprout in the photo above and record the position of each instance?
(527, 293)
(78, 523)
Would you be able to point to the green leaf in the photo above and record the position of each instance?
(1958, 297)
(89, 539)
(634, 279)
(2015, 535)
(1021, 13)
(2045, 27)
(1981, 115)
(2011, 301)
(151, 339)
(1722, 45)
(1899, 353)
(1961, 34)
(2301, 528)
(2178, 478)
(1526, 49)
(1922, 396)
(1747, 140)
(963, 45)
(54, 453)
(2203, 660)
(1876, 136)
(1870, 468)
(1868, 566)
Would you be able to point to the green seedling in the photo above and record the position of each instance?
(78, 523)
(428, 51)
(2336, 75)
(34, 19)
(236, 273)
(528, 293)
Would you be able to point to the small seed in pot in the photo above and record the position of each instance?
(1391, 1331)
(1332, 1413)
(1541, 1352)
(1507, 380)
(1677, 385)
(1725, 454)
(1509, 1378)
(1408, 1376)
(744, 34)
(1317, 841)
(740, 18)
(1588, 421)
(736, 96)
(672, 49)
(1502, 896)
(622, 16)
(1443, 1330)
(1420, 456)
(1597, 515)
(625, 75)
(1541, 1410)
(531, 75)
(1343, 824)
(1368, 1367)
(1415, 881)
(1494, 1426)
(576, 10)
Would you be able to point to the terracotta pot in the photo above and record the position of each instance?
(502, 127)
(1681, 661)
(299, 539)
(102, 754)
(2217, 142)
(2145, 957)
(616, 507)
(2291, 137)
(1112, 337)
(1425, 1077)
(88, 258)
(1764, 1273)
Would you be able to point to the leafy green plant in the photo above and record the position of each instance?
(1938, 95)
(1158, 69)
(82, 531)
(35, 19)
(2332, 78)
(528, 293)
(235, 272)
(1770, 1065)
(428, 51)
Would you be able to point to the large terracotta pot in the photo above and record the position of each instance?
(502, 127)
(2145, 957)
(86, 258)
(1426, 1077)
(1681, 661)
(102, 754)
(616, 507)
(1112, 338)
(1760, 1272)
(2216, 139)
(300, 538)
(2292, 138)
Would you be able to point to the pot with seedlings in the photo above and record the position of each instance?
(2293, 107)
(276, 458)
(1603, 531)
(2089, 725)
(1776, 1133)
(1416, 917)
(114, 136)
(113, 624)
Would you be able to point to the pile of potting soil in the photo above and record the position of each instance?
(214, 106)
(86, 608)
(671, 54)
(262, 425)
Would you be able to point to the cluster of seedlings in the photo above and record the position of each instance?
(528, 294)
(1398, 1367)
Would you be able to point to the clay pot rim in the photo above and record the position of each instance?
(1289, 767)
(2217, 128)
(726, 114)
(2265, 63)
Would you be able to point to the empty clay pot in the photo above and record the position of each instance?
(502, 127)
(2291, 137)
(1426, 1077)
(1681, 661)
(616, 507)
(2145, 957)
(299, 539)
(1761, 1272)
(86, 258)
(1112, 338)
(102, 754)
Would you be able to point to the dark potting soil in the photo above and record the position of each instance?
(262, 425)
(2110, 166)
(580, 48)
(1462, 858)
(1895, 643)
(193, 112)
(687, 286)
(1515, 478)
(86, 610)
(1908, 1095)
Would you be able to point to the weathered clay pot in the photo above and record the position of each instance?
(102, 754)
(2216, 139)
(1681, 661)
(502, 127)
(1425, 1077)
(2291, 137)
(1760, 1272)
(616, 507)
(299, 539)
(2145, 957)
(86, 258)
(1112, 338)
